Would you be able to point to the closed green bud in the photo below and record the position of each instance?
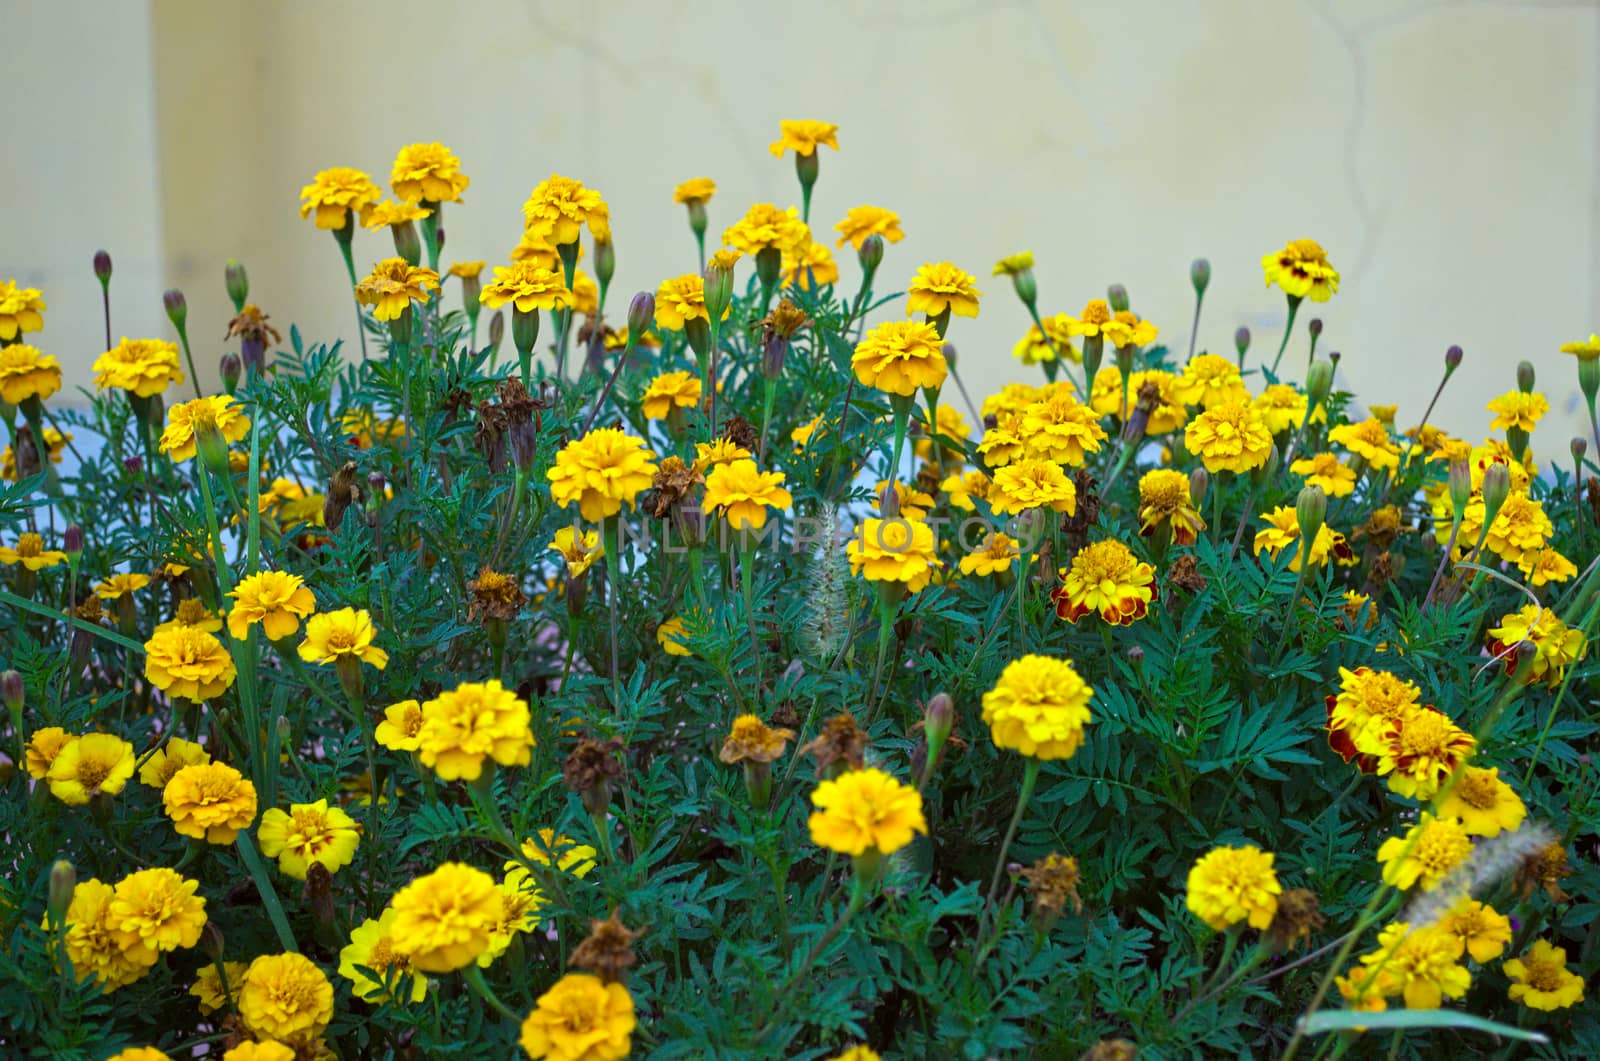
(769, 266)
(1026, 286)
(1579, 448)
(1199, 483)
(1525, 376)
(63, 882)
(11, 691)
(641, 314)
(938, 720)
(230, 366)
(407, 243)
(1117, 295)
(524, 329)
(1200, 275)
(1319, 381)
(605, 261)
(871, 253)
(1459, 483)
(1241, 340)
(719, 284)
(1496, 488)
(237, 282)
(1310, 511)
(697, 217)
(102, 267)
(497, 329)
(176, 305)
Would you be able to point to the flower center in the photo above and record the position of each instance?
(1426, 733)
(92, 773)
(1477, 790)
(1544, 976)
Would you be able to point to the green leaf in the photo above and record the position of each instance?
(1340, 1020)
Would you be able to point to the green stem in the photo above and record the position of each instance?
(269, 897)
(1030, 777)
(350, 268)
(1288, 330)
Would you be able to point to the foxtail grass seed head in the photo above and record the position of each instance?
(102, 267)
(237, 282)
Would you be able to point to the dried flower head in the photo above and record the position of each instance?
(608, 949)
(841, 741)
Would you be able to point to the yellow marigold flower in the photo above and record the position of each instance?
(161, 765)
(1555, 643)
(308, 833)
(21, 310)
(285, 996)
(1370, 440)
(143, 367)
(188, 662)
(939, 288)
(1514, 409)
(1029, 484)
(548, 848)
(54, 441)
(708, 455)
(520, 901)
(724, 259)
(210, 802)
(1283, 532)
(1336, 478)
(1420, 749)
(1106, 577)
(1360, 712)
(695, 190)
(89, 765)
(669, 391)
(580, 549)
(192, 611)
(42, 749)
(1421, 965)
(265, 1050)
(1169, 413)
(994, 557)
(1228, 885)
(139, 1053)
(765, 226)
(289, 503)
(27, 372)
(865, 810)
(1540, 978)
(1544, 566)
(1282, 408)
(1210, 380)
(208, 985)
(1302, 269)
(585, 294)
(894, 550)
(670, 636)
(116, 585)
(1521, 527)
(913, 503)
(600, 471)
(154, 911)
(372, 947)
(345, 634)
(1128, 329)
(803, 136)
(427, 172)
(1003, 443)
(948, 422)
(528, 286)
(1096, 314)
(333, 193)
(809, 265)
(401, 726)
(1584, 349)
(467, 270)
(900, 357)
(1362, 991)
(91, 944)
(1040, 346)
(743, 493)
(471, 723)
(863, 221)
(752, 740)
(31, 553)
(187, 420)
(1012, 264)
(560, 207)
(1038, 708)
(1482, 930)
(857, 1053)
(961, 489)
(1384, 414)
(1485, 805)
(393, 285)
(680, 300)
(277, 600)
(1229, 437)
(443, 919)
(1428, 852)
(581, 1018)
(384, 213)
(1061, 429)
(1164, 499)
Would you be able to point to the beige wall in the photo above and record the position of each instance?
(1443, 153)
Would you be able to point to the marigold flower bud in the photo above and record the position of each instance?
(231, 367)
(1460, 485)
(1525, 376)
(605, 261)
(177, 306)
(524, 329)
(1199, 482)
(373, 502)
(63, 882)
(1310, 511)
(806, 167)
(697, 217)
(889, 501)
(102, 267)
(1315, 327)
(1496, 487)
(938, 720)
(72, 541)
(1579, 448)
(407, 243)
(237, 282)
(1452, 358)
(1026, 286)
(1241, 340)
(718, 290)
(497, 329)
(1117, 295)
(1200, 275)
(212, 941)
(871, 253)
(11, 691)
(769, 266)
(1319, 381)
(1589, 377)
(641, 314)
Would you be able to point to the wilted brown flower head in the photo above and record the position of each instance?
(590, 769)
(491, 435)
(251, 325)
(1296, 919)
(1382, 527)
(343, 491)
(785, 319)
(673, 481)
(841, 741)
(1085, 515)
(740, 432)
(88, 610)
(521, 420)
(1185, 574)
(1053, 882)
(1544, 869)
(608, 950)
(494, 596)
(752, 740)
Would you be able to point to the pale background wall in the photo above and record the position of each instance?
(1444, 153)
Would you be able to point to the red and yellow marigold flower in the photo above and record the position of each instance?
(1105, 577)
